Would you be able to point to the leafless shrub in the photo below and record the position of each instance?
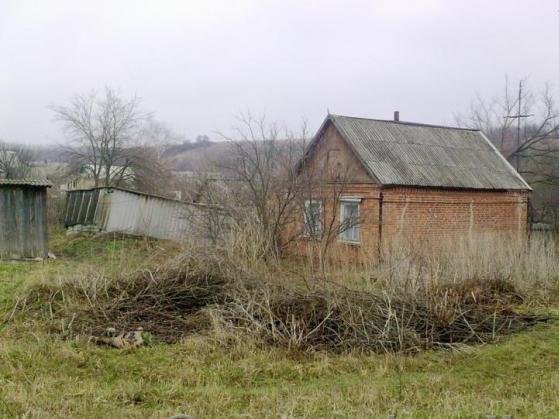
(262, 179)
(266, 187)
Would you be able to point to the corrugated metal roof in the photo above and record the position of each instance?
(26, 182)
(403, 153)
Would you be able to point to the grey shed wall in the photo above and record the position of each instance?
(131, 212)
(23, 222)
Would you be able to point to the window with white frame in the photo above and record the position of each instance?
(349, 220)
(313, 218)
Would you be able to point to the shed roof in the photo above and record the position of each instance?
(26, 182)
(149, 195)
(410, 154)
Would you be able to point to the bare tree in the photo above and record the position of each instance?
(263, 169)
(15, 161)
(150, 166)
(103, 131)
(268, 190)
(325, 184)
(524, 125)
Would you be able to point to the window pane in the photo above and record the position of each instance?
(350, 220)
(313, 218)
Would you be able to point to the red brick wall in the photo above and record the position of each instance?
(332, 155)
(422, 216)
(430, 215)
(368, 229)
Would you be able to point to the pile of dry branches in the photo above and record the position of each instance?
(343, 319)
(165, 301)
(198, 293)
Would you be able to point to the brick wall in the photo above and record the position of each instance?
(431, 215)
(333, 152)
(421, 216)
(368, 228)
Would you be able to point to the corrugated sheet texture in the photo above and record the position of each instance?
(26, 182)
(81, 207)
(119, 210)
(397, 153)
(23, 223)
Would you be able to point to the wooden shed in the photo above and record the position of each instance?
(23, 218)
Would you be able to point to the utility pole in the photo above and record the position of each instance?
(518, 118)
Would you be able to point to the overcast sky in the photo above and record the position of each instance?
(198, 63)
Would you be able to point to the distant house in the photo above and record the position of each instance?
(23, 219)
(408, 181)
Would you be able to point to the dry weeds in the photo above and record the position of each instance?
(415, 303)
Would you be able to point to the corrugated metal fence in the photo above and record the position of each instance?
(81, 207)
(136, 213)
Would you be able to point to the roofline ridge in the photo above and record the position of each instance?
(504, 183)
(418, 124)
(26, 182)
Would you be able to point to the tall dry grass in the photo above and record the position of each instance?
(530, 265)
(463, 293)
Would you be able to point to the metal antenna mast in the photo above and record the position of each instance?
(518, 118)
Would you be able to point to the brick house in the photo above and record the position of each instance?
(401, 180)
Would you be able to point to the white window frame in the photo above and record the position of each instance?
(306, 230)
(353, 201)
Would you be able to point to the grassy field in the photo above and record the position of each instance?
(44, 377)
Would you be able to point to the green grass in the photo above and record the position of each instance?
(43, 377)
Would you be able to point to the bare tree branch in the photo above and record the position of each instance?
(106, 133)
